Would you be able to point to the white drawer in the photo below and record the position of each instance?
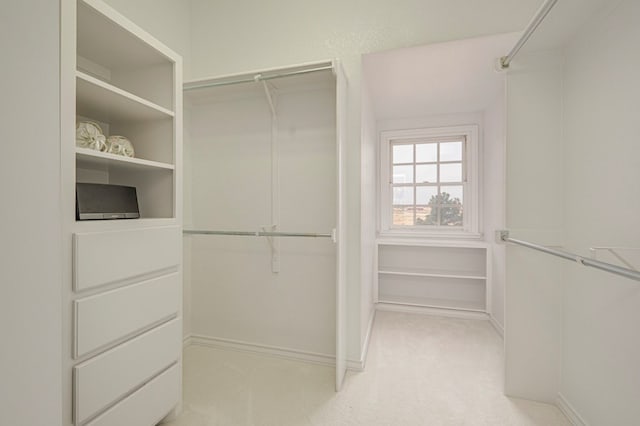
(148, 405)
(108, 317)
(106, 257)
(107, 378)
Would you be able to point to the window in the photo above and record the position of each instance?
(429, 181)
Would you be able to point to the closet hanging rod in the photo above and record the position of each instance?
(528, 32)
(255, 78)
(585, 261)
(258, 233)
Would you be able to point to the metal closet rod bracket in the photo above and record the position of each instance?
(504, 62)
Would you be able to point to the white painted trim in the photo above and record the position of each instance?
(568, 410)
(488, 282)
(496, 325)
(186, 341)
(365, 345)
(430, 242)
(473, 192)
(273, 351)
(342, 330)
(353, 365)
(376, 276)
(425, 310)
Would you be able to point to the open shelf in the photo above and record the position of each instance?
(432, 273)
(122, 224)
(91, 159)
(119, 52)
(463, 305)
(417, 272)
(116, 42)
(105, 102)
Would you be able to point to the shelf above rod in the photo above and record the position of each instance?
(431, 274)
(258, 233)
(252, 78)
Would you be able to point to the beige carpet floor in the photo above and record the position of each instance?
(421, 370)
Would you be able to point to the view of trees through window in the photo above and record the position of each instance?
(443, 210)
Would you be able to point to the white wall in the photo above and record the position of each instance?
(535, 200)
(601, 346)
(235, 36)
(442, 120)
(236, 295)
(30, 253)
(167, 20)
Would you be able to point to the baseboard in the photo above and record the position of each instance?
(443, 312)
(568, 410)
(497, 326)
(186, 341)
(359, 365)
(273, 351)
(353, 365)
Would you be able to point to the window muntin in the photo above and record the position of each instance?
(427, 182)
(424, 169)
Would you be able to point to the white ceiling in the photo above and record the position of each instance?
(443, 78)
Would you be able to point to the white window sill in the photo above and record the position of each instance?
(430, 235)
(448, 239)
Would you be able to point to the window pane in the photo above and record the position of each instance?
(426, 153)
(451, 172)
(402, 174)
(426, 215)
(424, 194)
(403, 195)
(451, 216)
(451, 151)
(402, 154)
(426, 173)
(403, 215)
(454, 192)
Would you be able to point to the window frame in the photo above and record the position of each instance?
(471, 188)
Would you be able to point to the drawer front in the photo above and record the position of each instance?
(114, 315)
(107, 257)
(148, 405)
(107, 378)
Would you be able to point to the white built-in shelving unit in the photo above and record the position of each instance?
(126, 82)
(123, 291)
(433, 274)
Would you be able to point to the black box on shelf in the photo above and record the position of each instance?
(96, 201)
